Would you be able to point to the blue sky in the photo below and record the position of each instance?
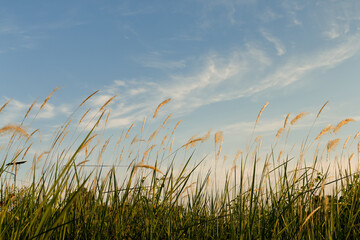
(219, 62)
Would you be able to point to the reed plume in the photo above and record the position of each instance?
(160, 105)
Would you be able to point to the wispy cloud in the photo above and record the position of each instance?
(220, 78)
(279, 46)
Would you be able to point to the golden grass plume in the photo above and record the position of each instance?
(262, 109)
(324, 131)
(3, 106)
(342, 123)
(298, 117)
(160, 105)
(48, 97)
(15, 129)
(332, 144)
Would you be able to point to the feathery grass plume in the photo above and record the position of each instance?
(107, 118)
(171, 145)
(262, 109)
(107, 102)
(165, 137)
(153, 135)
(346, 142)
(279, 132)
(298, 117)
(3, 106)
(168, 117)
(146, 153)
(219, 137)
(127, 133)
(192, 142)
(321, 109)
(28, 111)
(257, 138)
(27, 149)
(331, 145)
(14, 129)
(149, 167)
(281, 152)
(342, 123)
(325, 130)
(160, 105)
(48, 97)
(186, 145)
(88, 97)
(143, 125)
(357, 134)
(41, 155)
(177, 124)
(83, 116)
(286, 120)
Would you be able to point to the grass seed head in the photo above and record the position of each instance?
(160, 105)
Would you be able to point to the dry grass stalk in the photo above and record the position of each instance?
(160, 105)
(359, 146)
(107, 102)
(88, 97)
(14, 129)
(331, 145)
(28, 111)
(143, 125)
(171, 145)
(258, 138)
(358, 133)
(41, 155)
(153, 135)
(279, 132)
(127, 133)
(27, 149)
(163, 141)
(81, 163)
(107, 119)
(325, 130)
(286, 120)
(262, 109)
(168, 117)
(148, 166)
(351, 156)
(83, 116)
(177, 124)
(310, 215)
(321, 109)
(87, 142)
(298, 117)
(342, 123)
(48, 97)
(281, 152)
(346, 142)
(135, 140)
(3, 106)
(146, 153)
(219, 137)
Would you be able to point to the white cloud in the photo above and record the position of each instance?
(279, 46)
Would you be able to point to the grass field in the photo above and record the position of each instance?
(279, 197)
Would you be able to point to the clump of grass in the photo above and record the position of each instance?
(271, 197)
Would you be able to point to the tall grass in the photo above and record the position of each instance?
(278, 197)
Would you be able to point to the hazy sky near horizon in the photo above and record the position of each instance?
(219, 61)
